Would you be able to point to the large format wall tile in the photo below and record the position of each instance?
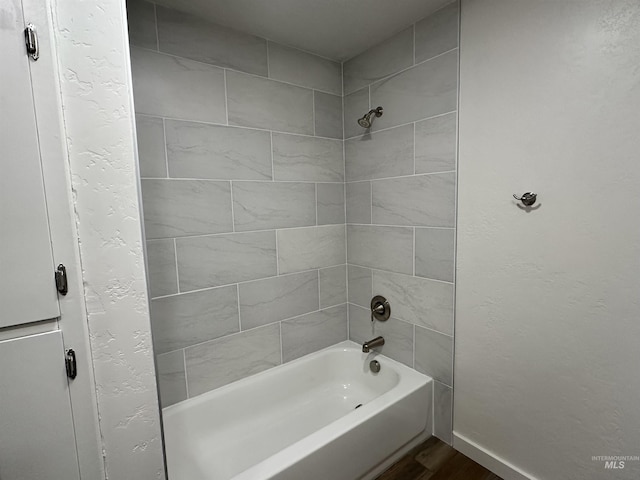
(183, 320)
(417, 300)
(360, 285)
(356, 105)
(315, 247)
(358, 198)
(426, 90)
(151, 154)
(443, 412)
(387, 248)
(219, 362)
(361, 328)
(272, 299)
(141, 17)
(262, 103)
(436, 144)
(384, 59)
(435, 253)
(175, 208)
(333, 286)
(215, 260)
(175, 87)
(297, 157)
(267, 205)
(190, 36)
(330, 198)
(437, 33)
(314, 331)
(398, 335)
(381, 154)
(161, 261)
(426, 200)
(198, 150)
(328, 114)
(302, 68)
(434, 355)
(171, 378)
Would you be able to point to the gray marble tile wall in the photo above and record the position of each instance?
(272, 217)
(241, 156)
(401, 195)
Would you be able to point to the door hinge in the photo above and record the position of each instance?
(71, 364)
(62, 283)
(31, 41)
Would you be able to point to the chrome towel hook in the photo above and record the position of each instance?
(527, 199)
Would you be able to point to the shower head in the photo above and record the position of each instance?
(366, 121)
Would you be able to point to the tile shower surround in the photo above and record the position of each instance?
(401, 196)
(267, 231)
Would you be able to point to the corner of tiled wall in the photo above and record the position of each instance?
(401, 197)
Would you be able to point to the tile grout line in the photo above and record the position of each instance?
(195, 179)
(166, 148)
(226, 285)
(371, 201)
(379, 225)
(414, 347)
(313, 110)
(414, 252)
(418, 120)
(273, 177)
(186, 378)
(413, 27)
(226, 97)
(268, 60)
(374, 269)
(277, 256)
(415, 325)
(155, 24)
(238, 300)
(420, 63)
(233, 70)
(233, 215)
(281, 346)
(175, 255)
(414, 148)
(272, 229)
(346, 238)
(244, 127)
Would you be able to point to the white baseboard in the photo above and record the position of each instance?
(492, 462)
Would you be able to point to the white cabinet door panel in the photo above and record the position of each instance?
(27, 289)
(37, 440)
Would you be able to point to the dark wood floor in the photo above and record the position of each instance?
(435, 460)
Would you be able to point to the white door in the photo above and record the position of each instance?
(37, 436)
(547, 338)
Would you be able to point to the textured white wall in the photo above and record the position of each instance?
(97, 105)
(547, 330)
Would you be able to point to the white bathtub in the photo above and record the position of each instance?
(299, 420)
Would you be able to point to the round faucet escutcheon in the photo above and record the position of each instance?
(380, 308)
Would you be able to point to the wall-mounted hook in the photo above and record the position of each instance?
(527, 199)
